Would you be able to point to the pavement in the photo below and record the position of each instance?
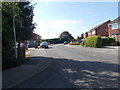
(17, 75)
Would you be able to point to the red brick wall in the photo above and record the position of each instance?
(114, 30)
(109, 29)
(103, 30)
(117, 37)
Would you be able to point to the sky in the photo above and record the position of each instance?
(52, 18)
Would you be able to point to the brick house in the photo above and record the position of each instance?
(99, 30)
(114, 29)
(34, 41)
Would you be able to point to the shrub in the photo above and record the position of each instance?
(83, 43)
(93, 41)
(9, 61)
(107, 41)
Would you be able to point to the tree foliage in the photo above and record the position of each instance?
(23, 13)
(24, 23)
(7, 25)
(66, 36)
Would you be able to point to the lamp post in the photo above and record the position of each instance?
(14, 30)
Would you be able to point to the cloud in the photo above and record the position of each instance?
(52, 26)
(64, 22)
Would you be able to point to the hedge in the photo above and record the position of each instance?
(107, 40)
(9, 61)
(93, 41)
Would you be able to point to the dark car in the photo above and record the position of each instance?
(44, 44)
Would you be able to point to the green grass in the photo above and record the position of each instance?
(27, 55)
(74, 43)
(28, 50)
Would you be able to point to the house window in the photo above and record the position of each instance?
(89, 33)
(115, 26)
(93, 32)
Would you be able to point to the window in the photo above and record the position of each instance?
(115, 26)
(89, 33)
(93, 32)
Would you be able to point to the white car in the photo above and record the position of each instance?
(44, 44)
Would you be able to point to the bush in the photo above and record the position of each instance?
(93, 41)
(83, 43)
(107, 40)
(9, 61)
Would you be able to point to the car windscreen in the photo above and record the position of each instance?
(44, 43)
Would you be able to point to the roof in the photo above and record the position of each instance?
(34, 34)
(99, 25)
(116, 20)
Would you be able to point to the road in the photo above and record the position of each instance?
(77, 67)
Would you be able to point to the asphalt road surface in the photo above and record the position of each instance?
(77, 67)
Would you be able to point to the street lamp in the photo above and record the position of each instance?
(14, 30)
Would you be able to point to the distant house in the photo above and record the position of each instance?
(99, 30)
(114, 29)
(34, 41)
(86, 35)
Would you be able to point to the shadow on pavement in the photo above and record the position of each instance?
(68, 73)
(90, 73)
(87, 74)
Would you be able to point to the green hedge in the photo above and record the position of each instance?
(9, 61)
(107, 40)
(97, 41)
(93, 41)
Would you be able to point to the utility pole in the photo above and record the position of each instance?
(16, 55)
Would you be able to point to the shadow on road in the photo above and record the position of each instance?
(86, 74)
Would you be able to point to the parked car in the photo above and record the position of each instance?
(65, 42)
(71, 42)
(44, 44)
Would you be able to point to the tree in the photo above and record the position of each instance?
(79, 38)
(66, 36)
(26, 26)
(23, 25)
(7, 25)
(23, 22)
